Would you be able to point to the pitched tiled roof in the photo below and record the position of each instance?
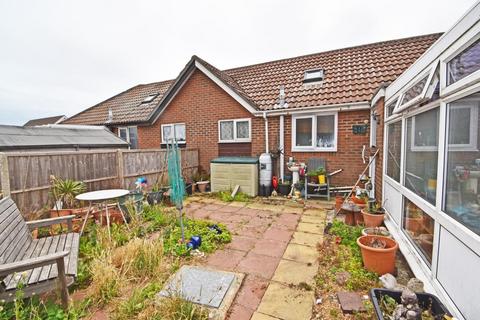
(351, 75)
(44, 121)
(126, 107)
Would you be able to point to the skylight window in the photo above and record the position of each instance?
(314, 75)
(150, 98)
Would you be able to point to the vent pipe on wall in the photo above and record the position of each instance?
(266, 131)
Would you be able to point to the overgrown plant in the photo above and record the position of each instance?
(65, 190)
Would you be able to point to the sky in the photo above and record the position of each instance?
(61, 57)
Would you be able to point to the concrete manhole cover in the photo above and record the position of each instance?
(202, 286)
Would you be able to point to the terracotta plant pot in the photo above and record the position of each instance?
(349, 218)
(358, 218)
(378, 260)
(202, 186)
(114, 213)
(376, 231)
(372, 219)
(338, 203)
(54, 213)
(358, 200)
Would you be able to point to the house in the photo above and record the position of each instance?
(58, 138)
(431, 167)
(317, 105)
(45, 121)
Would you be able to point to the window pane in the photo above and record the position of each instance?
(122, 133)
(415, 90)
(422, 154)
(460, 117)
(133, 137)
(394, 150)
(462, 173)
(419, 227)
(226, 130)
(326, 131)
(467, 62)
(243, 130)
(303, 132)
(167, 133)
(391, 107)
(180, 134)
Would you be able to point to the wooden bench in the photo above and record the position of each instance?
(35, 265)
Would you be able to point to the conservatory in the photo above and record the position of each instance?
(431, 179)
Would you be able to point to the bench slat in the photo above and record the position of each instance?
(8, 234)
(73, 256)
(44, 274)
(11, 280)
(36, 272)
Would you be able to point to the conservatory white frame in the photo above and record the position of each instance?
(462, 35)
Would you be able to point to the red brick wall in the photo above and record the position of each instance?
(379, 109)
(349, 148)
(200, 104)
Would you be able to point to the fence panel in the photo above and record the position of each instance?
(29, 173)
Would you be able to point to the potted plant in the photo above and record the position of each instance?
(379, 231)
(64, 193)
(360, 197)
(373, 215)
(203, 183)
(312, 176)
(322, 174)
(378, 253)
(284, 188)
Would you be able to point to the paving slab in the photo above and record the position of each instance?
(258, 264)
(252, 291)
(300, 253)
(292, 272)
(241, 243)
(294, 210)
(225, 259)
(315, 212)
(286, 303)
(313, 219)
(237, 204)
(307, 239)
(251, 232)
(239, 312)
(311, 227)
(261, 316)
(274, 233)
(272, 248)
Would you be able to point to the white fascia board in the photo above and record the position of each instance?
(226, 88)
(433, 53)
(365, 105)
(380, 94)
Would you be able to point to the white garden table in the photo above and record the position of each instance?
(102, 196)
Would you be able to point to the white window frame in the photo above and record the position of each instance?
(313, 147)
(472, 146)
(126, 128)
(235, 138)
(173, 128)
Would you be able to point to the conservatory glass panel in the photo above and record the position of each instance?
(326, 131)
(462, 169)
(464, 64)
(394, 150)
(391, 107)
(419, 227)
(303, 132)
(414, 91)
(422, 154)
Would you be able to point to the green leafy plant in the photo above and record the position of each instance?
(66, 190)
(320, 171)
(139, 299)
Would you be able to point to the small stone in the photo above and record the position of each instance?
(388, 281)
(342, 277)
(416, 285)
(318, 301)
(350, 302)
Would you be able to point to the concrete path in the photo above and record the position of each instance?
(275, 246)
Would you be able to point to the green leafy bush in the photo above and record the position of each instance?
(211, 240)
(226, 196)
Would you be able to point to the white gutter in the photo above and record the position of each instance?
(282, 147)
(364, 105)
(266, 131)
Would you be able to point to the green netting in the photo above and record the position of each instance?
(177, 185)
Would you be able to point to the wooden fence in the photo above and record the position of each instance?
(25, 176)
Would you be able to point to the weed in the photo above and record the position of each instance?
(106, 279)
(174, 308)
(226, 196)
(137, 301)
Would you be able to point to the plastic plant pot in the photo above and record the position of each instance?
(425, 301)
(378, 260)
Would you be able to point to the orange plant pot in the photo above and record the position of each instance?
(358, 200)
(372, 220)
(378, 260)
(338, 203)
(358, 218)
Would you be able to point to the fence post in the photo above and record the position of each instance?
(120, 172)
(4, 175)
